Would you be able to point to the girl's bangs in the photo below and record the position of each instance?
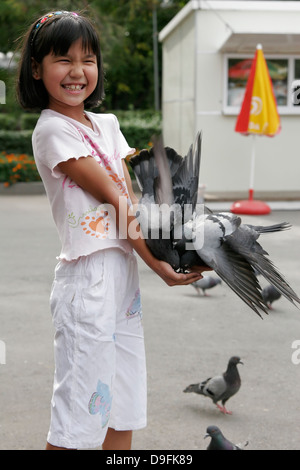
(60, 35)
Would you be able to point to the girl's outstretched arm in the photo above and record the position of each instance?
(91, 177)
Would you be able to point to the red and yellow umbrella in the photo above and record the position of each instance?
(258, 116)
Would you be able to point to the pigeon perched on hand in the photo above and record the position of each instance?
(219, 441)
(187, 234)
(270, 294)
(207, 282)
(220, 387)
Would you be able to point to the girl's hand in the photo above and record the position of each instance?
(167, 273)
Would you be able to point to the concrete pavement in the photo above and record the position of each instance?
(188, 338)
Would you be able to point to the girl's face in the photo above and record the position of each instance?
(69, 79)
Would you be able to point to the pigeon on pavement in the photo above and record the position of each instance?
(270, 294)
(187, 234)
(219, 441)
(207, 282)
(220, 387)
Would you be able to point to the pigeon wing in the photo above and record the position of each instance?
(186, 179)
(230, 265)
(238, 274)
(244, 241)
(145, 171)
(163, 188)
(214, 387)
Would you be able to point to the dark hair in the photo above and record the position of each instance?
(56, 35)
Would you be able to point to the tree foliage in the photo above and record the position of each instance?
(126, 35)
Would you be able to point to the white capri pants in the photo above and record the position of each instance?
(100, 367)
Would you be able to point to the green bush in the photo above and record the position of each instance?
(24, 121)
(18, 142)
(7, 122)
(138, 137)
(138, 128)
(28, 121)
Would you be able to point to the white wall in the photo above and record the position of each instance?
(193, 100)
(179, 86)
(225, 164)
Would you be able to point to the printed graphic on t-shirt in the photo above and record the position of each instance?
(106, 161)
(97, 226)
(95, 222)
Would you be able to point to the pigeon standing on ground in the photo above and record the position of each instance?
(219, 441)
(207, 282)
(270, 294)
(220, 387)
(198, 237)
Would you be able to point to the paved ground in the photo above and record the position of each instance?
(188, 338)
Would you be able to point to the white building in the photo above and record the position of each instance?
(206, 48)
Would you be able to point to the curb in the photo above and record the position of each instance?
(20, 189)
(34, 187)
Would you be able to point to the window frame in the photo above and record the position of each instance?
(289, 109)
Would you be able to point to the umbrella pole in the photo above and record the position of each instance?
(251, 206)
(252, 169)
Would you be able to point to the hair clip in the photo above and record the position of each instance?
(44, 19)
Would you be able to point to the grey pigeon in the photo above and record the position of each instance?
(156, 211)
(207, 282)
(220, 387)
(270, 294)
(193, 235)
(169, 187)
(219, 441)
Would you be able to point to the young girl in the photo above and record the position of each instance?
(99, 394)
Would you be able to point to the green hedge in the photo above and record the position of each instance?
(16, 141)
(138, 128)
(26, 121)
(138, 137)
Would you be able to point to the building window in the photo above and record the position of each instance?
(283, 71)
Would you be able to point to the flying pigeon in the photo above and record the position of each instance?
(270, 294)
(219, 441)
(220, 387)
(186, 234)
(207, 282)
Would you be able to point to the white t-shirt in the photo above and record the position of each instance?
(84, 225)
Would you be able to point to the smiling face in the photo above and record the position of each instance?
(69, 79)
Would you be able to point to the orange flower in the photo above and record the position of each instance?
(17, 167)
